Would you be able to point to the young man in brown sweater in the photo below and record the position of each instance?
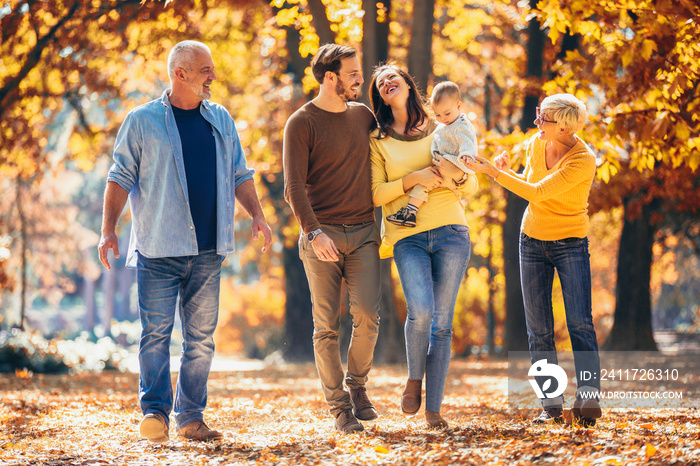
(327, 184)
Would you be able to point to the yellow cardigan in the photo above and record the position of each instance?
(392, 159)
(558, 196)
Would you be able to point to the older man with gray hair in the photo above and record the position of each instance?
(179, 162)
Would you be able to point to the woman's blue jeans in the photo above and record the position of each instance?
(195, 280)
(431, 268)
(570, 258)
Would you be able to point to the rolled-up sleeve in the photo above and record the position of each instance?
(127, 154)
(241, 172)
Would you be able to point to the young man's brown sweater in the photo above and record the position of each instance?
(327, 166)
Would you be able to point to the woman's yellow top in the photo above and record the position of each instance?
(395, 157)
(558, 195)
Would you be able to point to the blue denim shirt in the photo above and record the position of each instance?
(148, 164)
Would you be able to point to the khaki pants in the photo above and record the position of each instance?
(358, 264)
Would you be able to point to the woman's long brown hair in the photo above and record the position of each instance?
(417, 110)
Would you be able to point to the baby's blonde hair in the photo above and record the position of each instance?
(566, 110)
(445, 89)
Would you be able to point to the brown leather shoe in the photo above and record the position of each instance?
(586, 412)
(362, 408)
(199, 431)
(346, 422)
(435, 421)
(411, 398)
(154, 428)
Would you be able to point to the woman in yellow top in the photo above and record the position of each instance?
(558, 174)
(432, 257)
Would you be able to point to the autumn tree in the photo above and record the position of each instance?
(640, 60)
(55, 55)
(83, 65)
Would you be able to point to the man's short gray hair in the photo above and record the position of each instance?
(183, 54)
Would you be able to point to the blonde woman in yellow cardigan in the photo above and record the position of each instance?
(558, 174)
(432, 257)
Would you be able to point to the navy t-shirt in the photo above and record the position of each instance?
(199, 154)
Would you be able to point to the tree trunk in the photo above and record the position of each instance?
(90, 305)
(297, 64)
(375, 41)
(391, 348)
(321, 23)
(125, 278)
(23, 256)
(632, 329)
(109, 286)
(420, 48)
(515, 331)
(299, 325)
(391, 345)
(490, 314)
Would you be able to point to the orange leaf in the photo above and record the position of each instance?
(647, 425)
(381, 449)
(650, 449)
(23, 374)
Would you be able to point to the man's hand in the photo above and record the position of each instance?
(324, 247)
(107, 242)
(115, 199)
(259, 225)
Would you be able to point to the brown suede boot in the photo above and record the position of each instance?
(435, 421)
(199, 431)
(154, 428)
(411, 398)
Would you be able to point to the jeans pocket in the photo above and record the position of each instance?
(458, 229)
(302, 246)
(570, 241)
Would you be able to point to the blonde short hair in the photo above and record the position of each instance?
(566, 110)
(445, 89)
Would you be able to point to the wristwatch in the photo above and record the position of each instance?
(311, 236)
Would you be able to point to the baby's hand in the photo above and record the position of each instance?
(467, 159)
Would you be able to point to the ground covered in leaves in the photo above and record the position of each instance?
(277, 416)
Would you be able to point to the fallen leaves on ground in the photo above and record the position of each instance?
(278, 416)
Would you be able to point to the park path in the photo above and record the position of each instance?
(276, 415)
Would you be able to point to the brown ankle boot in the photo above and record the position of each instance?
(411, 398)
(435, 421)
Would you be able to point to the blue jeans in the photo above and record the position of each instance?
(195, 280)
(570, 258)
(431, 267)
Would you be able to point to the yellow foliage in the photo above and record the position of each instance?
(287, 16)
(251, 317)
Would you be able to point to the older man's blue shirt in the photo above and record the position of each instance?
(199, 155)
(149, 164)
